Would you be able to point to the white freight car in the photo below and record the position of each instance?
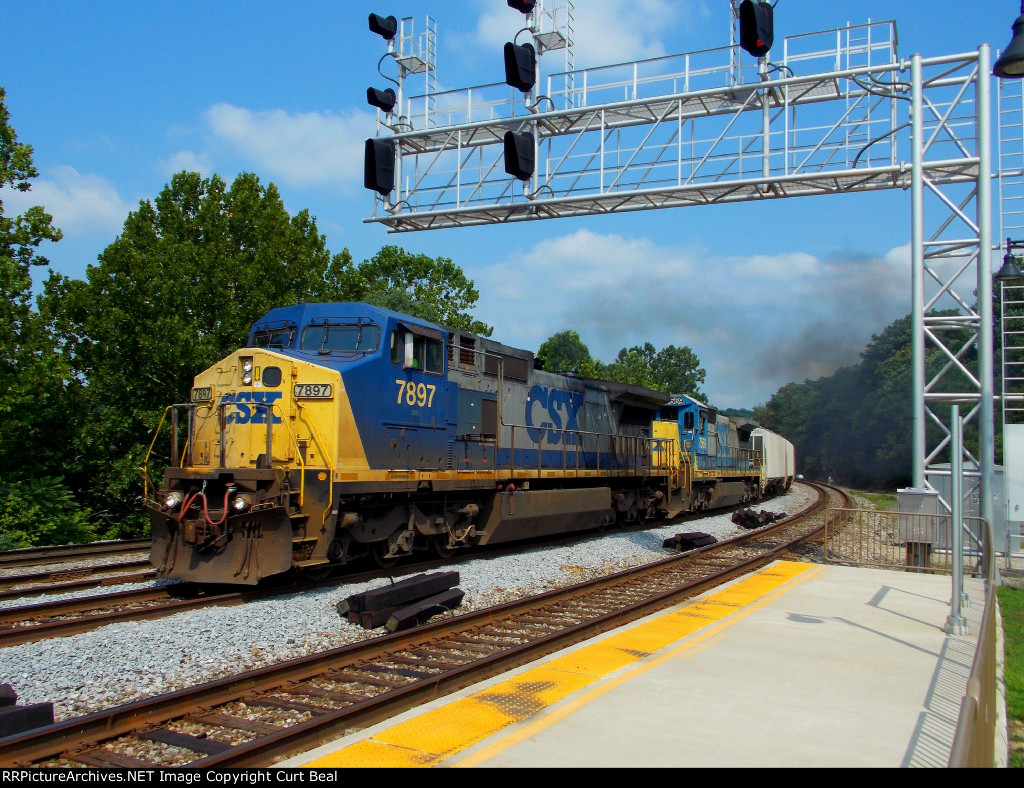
(779, 466)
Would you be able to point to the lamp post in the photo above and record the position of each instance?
(1010, 272)
(1011, 62)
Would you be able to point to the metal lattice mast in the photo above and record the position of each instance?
(952, 269)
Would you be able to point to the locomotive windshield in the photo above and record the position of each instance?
(275, 337)
(347, 338)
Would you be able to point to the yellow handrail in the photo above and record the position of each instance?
(144, 470)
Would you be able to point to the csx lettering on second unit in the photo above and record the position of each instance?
(561, 409)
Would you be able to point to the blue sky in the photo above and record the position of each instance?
(117, 95)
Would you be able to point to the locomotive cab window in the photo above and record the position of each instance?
(397, 347)
(334, 338)
(415, 347)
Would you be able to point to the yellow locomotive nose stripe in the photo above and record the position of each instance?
(431, 737)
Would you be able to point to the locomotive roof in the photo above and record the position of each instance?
(312, 312)
(630, 394)
(685, 399)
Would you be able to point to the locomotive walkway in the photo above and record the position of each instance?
(798, 665)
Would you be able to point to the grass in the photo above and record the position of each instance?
(1011, 606)
(878, 499)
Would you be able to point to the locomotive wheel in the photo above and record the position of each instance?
(378, 551)
(439, 546)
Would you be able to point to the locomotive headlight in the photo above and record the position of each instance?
(247, 371)
(241, 503)
(173, 500)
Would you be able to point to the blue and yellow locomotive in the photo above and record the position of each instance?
(345, 430)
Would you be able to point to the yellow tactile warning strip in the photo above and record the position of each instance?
(429, 738)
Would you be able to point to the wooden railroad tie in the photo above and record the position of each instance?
(403, 604)
(688, 541)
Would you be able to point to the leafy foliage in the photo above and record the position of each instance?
(673, 370)
(436, 290)
(565, 352)
(38, 512)
(38, 392)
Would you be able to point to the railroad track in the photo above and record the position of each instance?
(29, 623)
(257, 718)
(62, 618)
(59, 582)
(40, 556)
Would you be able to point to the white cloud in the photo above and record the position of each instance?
(300, 149)
(604, 31)
(778, 267)
(189, 161)
(78, 203)
(755, 323)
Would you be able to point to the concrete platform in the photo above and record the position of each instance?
(800, 665)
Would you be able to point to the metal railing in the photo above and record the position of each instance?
(904, 540)
(728, 459)
(975, 741)
(537, 449)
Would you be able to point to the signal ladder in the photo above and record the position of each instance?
(1011, 211)
(1011, 294)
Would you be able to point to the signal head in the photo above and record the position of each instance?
(523, 6)
(382, 99)
(519, 155)
(757, 27)
(384, 26)
(520, 66)
(379, 166)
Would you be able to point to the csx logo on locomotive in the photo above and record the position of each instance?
(553, 403)
(250, 413)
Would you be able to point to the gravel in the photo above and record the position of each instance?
(121, 663)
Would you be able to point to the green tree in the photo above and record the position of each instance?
(565, 352)
(176, 291)
(634, 365)
(672, 369)
(435, 289)
(678, 371)
(36, 389)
